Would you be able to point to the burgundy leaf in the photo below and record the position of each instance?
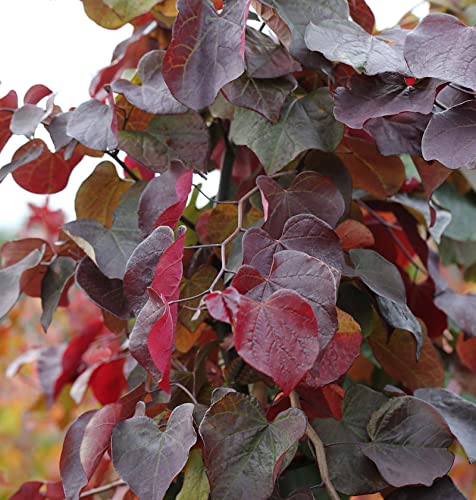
(106, 293)
(91, 124)
(202, 36)
(278, 336)
(36, 93)
(266, 97)
(107, 381)
(450, 136)
(148, 459)
(141, 266)
(9, 104)
(243, 451)
(223, 306)
(309, 193)
(381, 95)
(399, 134)
(265, 58)
(153, 94)
(314, 280)
(304, 233)
(362, 14)
(443, 47)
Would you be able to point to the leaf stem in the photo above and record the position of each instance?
(114, 155)
(319, 449)
(102, 489)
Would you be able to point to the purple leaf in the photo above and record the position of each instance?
(204, 38)
(168, 139)
(399, 134)
(304, 233)
(106, 293)
(266, 97)
(141, 266)
(443, 47)
(91, 123)
(306, 123)
(342, 40)
(111, 247)
(313, 279)
(148, 459)
(10, 279)
(265, 58)
(460, 415)
(441, 489)
(451, 136)
(152, 95)
(242, 449)
(381, 95)
(409, 441)
(309, 193)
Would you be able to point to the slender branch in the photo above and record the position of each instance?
(102, 489)
(209, 198)
(114, 155)
(389, 228)
(184, 389)
(187, 222)
(319, 450)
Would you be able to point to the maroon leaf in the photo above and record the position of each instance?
(371, 54)
(265, 58)
(153, 94)
(309, 193)
(10, 279)
(91, 124)
(36, 93)
(314, 280)
(9, 103)
(279, 332)
(106, 293)
(381, 95)
(362, 14)
(201, 34)
(304, 233)
(266, 97)
(399, 134)
(450, 136)
(141, 266)
(223, 306)
(148, 459)
(443, 47)
(243, 451)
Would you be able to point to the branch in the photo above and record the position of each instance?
(319, 450)
(102, 489)
(226, 171)
(114, 155)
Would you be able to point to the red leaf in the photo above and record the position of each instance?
(466, 350)
(108, 381)
(278, 337)
(10, 101)
(201, 34)
(48, 174)
(36, 93)
(223, 306)
(354, 234)
(171, 215)
(29, 491)
(362, 14)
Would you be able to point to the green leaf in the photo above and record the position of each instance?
(195, 483)
(112, 14)
(305, 124)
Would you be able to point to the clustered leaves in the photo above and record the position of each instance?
(339, 249)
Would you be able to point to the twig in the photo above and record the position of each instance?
(389, 227)
(209, 198)
(319, 450)
(114, 155)
(102, 489)
(184, 389)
